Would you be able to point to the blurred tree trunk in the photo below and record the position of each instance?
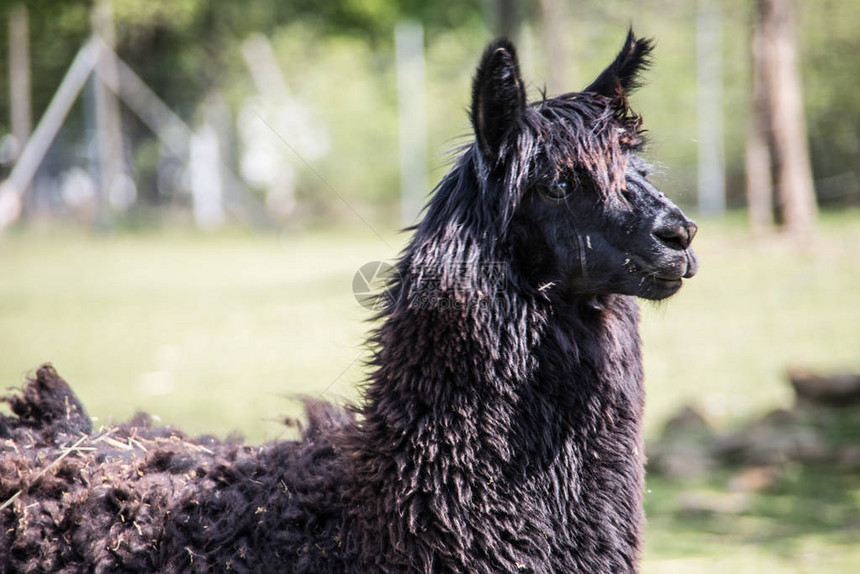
(20, 105)
(19, 75)
(709, 104)
(758, 166)
(553, 22)
(777, 149)
(507, 16)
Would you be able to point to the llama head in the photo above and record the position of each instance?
(579, 216)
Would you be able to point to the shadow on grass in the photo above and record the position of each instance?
(806, 504)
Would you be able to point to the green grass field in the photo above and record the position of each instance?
(214, 332)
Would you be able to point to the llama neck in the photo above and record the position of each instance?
(483, 370)
(472, 413)
(451, 375)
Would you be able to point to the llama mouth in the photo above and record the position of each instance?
(676, 271)
(692, 264)
(668, 285)
(663, 287)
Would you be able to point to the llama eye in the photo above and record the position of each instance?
(627, 195)
(557, 190)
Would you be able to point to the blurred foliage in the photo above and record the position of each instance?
(337, 56)
(831, 65)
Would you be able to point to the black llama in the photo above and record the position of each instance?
(500, 427)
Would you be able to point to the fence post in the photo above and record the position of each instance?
(108, 122)
(409, 40)
(712, 187)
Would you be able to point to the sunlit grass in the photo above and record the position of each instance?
(207, 332)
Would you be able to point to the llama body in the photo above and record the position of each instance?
(500, 428)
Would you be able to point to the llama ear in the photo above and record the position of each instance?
(498, 97)
(623, 75)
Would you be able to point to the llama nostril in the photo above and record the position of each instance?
(692, 228)
(675, 236)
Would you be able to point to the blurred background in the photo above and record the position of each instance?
(187, 188)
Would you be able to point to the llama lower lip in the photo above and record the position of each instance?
(692, 264)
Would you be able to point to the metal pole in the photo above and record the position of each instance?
(108, 122)
(146, 105)
(409, 40)
(712, 187)
(176, 134)
(38, 144)
(12, 190)
(19, 76)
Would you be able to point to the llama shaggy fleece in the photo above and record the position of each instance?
(499, 429)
